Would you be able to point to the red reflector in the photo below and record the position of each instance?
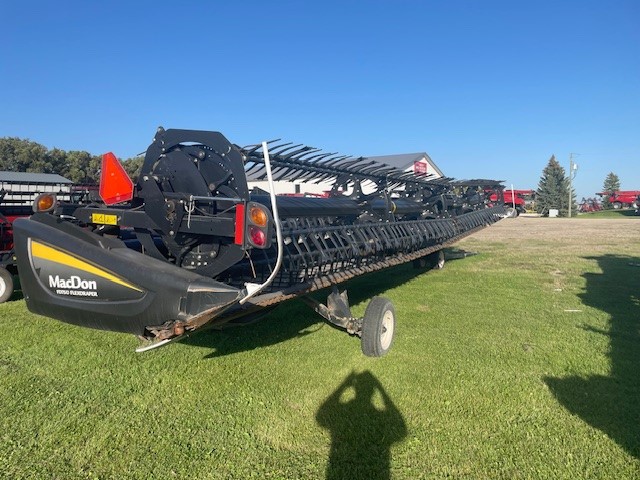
(258, 237)
(115, 184)
(239, 232)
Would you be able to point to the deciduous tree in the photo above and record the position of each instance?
(17, 155)
(82, 167)
(132, 166)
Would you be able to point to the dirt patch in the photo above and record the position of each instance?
(575, 231)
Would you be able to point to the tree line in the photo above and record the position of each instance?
(20, 155)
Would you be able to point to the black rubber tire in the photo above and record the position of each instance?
(6, 285)
(378, 327)
(617, 205)
(435, 260)
(438, 260)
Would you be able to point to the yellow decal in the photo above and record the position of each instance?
(104, 219)
(46, 252)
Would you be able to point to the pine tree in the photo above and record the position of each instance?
(611, 184)
(553, 190)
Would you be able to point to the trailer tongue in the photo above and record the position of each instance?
(191, 246)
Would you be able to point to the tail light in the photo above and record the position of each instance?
(254, 225)
(257, 237)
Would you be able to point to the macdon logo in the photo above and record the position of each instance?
(73, 285)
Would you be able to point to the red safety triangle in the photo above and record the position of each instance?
(115, 184)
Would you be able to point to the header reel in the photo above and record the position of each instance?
(191, 245)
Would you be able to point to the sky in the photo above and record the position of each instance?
(489, 89)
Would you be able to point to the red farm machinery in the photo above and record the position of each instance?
(621, 198)
(516, 201)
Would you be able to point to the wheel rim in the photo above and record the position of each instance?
(386, 335)
(3, 287)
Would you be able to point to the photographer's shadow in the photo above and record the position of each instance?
(611, 402)
(364, 423)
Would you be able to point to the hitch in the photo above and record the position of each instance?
(337, 311)
(376, 329)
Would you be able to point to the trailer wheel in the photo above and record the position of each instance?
(617, 205)
(6, 285)
(434, 260)
(378, 327)
(438, 260)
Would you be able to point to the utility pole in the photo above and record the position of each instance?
(573, 170)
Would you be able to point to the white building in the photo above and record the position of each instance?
(21, 188)
(418, 162)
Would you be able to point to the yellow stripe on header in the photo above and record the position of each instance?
(45, 252)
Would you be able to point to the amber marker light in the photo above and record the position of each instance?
(258, 217)
(44, 202)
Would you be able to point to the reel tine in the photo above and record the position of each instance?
(293, 162)
(302, 150)
(279, 154)
(277, 149)
(255, 167)
(331, 162)
(299, 158)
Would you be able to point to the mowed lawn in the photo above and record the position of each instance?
(522, 361)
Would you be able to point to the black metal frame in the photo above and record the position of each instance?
(187, 205)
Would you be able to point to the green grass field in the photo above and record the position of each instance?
(609, 214)
(520, 362)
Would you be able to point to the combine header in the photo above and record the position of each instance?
(190, 245)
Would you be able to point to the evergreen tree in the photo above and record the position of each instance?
(553, 190)
(611, 184)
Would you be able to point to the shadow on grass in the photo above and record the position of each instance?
(611, 403)
(17, 290)
(294, 319)
(364, 423)
(15, 296)
(628, 213)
